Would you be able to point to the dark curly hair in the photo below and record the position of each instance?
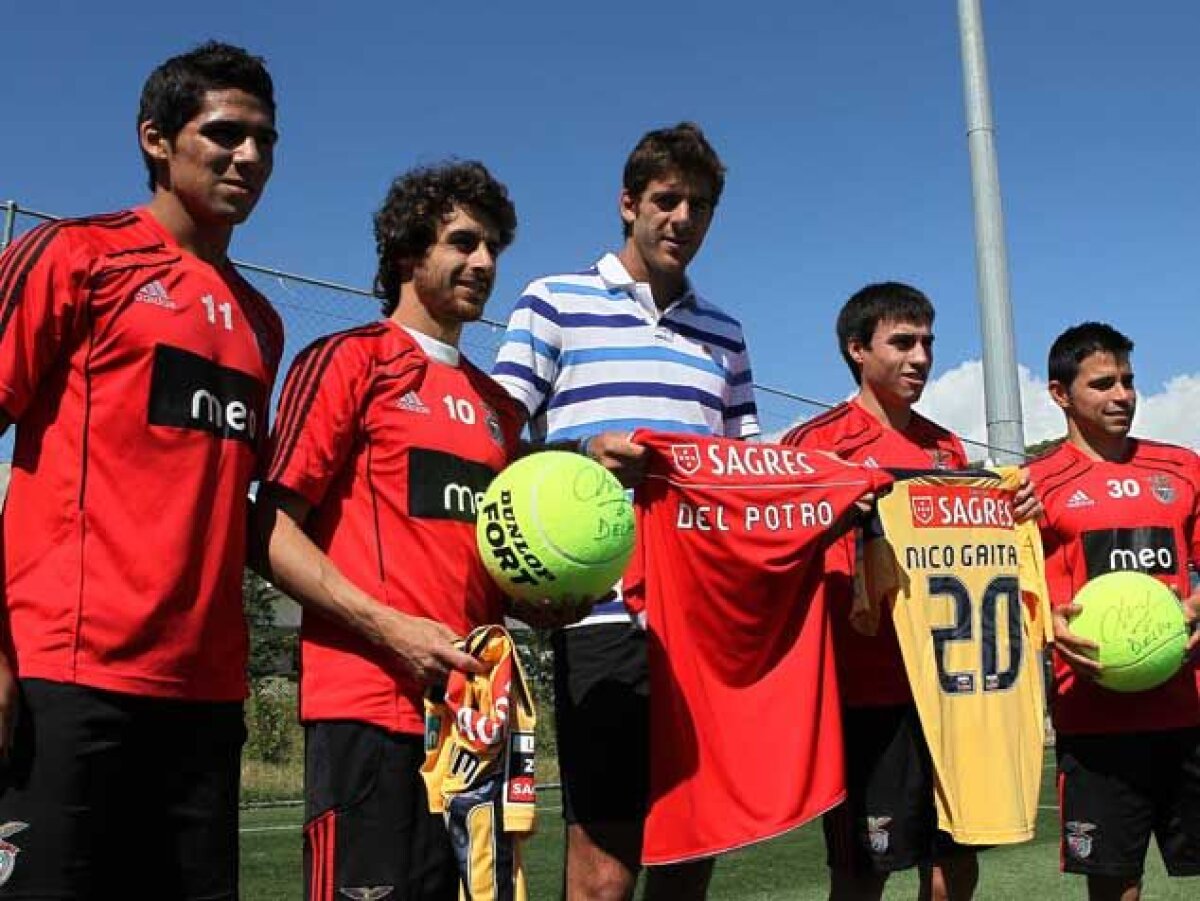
(681, 148)
(174, 92)
(417, 202)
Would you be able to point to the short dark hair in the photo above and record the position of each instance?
(882, 302)
(1078, 343)
(681, 148)
(174, 92)
(416, 204)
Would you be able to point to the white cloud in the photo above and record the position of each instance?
(955, 399)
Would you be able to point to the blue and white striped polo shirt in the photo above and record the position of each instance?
(590, 352)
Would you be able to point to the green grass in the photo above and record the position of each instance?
(791, 867)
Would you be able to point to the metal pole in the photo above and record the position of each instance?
(10, 223)
(1000, 383)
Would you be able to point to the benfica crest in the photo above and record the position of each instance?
(922, 509)
(687, 458)
(878, 834)
(368, 892)
(1079, 838)
(9, 851)
(493, 425)
(1162, 489)
(939, 458)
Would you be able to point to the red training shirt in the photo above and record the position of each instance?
(138, 377)
(870, 667)
(745, 722)
(393, 449)
(1141, 514)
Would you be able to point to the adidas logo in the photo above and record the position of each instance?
(412, 403)
(154, 294)
(1079, 499)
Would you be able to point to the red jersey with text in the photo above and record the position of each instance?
(870, 667)
(1142, 514)
(743, 696)
(968, 593)
(138, 377)
(393, 450)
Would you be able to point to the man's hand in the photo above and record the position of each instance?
(9, 704)
(548, 614)
(620, 456)
(1191, 615)
(1026, 506)
(1071, 647)
(424, 647)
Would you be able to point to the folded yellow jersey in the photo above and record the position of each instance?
(479, 766)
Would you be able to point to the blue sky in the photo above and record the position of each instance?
(841, 124)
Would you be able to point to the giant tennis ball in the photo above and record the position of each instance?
(1138, 623)
(555, 525)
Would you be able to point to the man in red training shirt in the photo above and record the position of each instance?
(1128, 764)
(385, 439)
(888, 823)
(136, 365)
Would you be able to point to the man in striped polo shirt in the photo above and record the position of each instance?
(592, 355)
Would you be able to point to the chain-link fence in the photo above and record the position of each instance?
(312, 307)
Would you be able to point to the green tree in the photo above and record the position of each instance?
(1035, 450)
(272, 646)
(538, 660)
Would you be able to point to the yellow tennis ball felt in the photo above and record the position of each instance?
(1138, 623)
(555, 525)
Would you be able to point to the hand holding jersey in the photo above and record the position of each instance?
(1027, 506)
(1191, 615)
(617, 453)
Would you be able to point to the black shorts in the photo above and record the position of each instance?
(109, 795)
(602, 718)
(367, 822)
(1116, 790)
(889, 821)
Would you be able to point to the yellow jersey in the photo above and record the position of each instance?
(971, 610)
(479, 767)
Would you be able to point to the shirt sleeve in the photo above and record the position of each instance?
(1193, 524)
(741, 412)
(876, 573)
(527, 362)
(318, 420)
(961, 460)
(42, 282)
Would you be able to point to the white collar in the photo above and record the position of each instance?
(436, 350)
(615, 275)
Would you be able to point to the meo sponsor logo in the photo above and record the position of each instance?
(445, 486)
(1148, 549)
(189, 391)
